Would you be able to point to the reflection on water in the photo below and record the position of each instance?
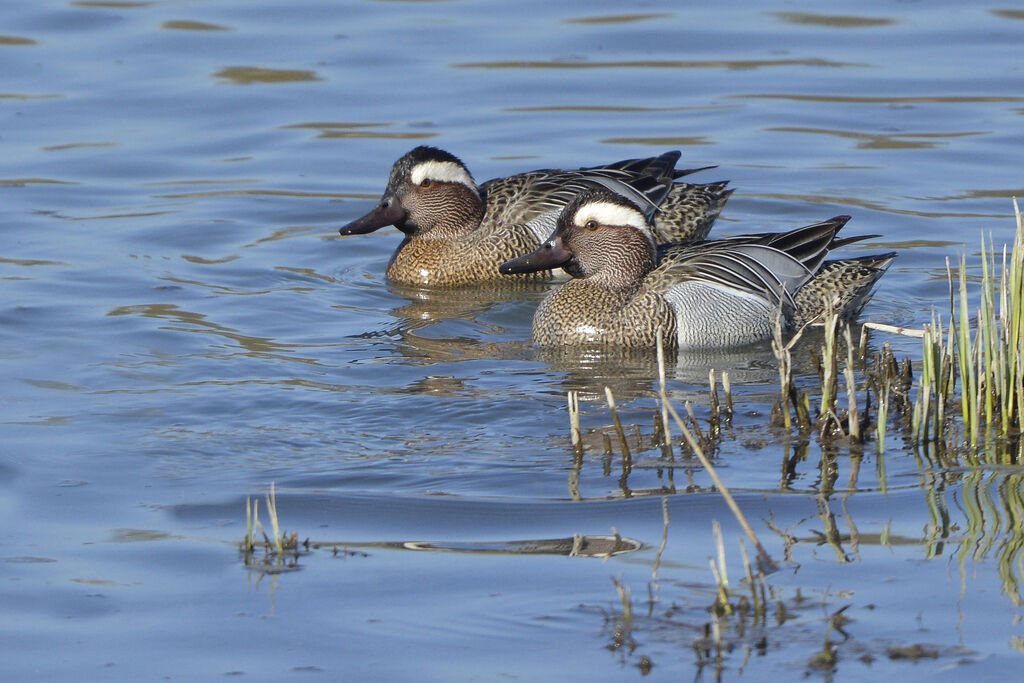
(77, 145)
(726, 624)
(192, 26)
(993, 503)
(892, 99)
(346, 130)
(833, 21)
(612, 109)
(578, 546)
(870, 205)
(661, 141)
(617, 19)
(110, 4)
(658, 64)
(881, 141)
(191, 322)
(247, 75)
(15, 40)
(440, 326)
(629, 372)
(169, 252)
(31, 262)
(1008, 13)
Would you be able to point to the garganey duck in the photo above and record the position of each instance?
(458, 232)
(712, 294)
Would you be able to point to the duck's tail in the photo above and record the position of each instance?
(841, 285)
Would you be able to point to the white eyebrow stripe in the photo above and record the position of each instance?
(443, 171)
(609, 213)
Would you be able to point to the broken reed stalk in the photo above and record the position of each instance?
(627, 603)
(664, 537)
(790, 396)
(721, 606)
(716, 530)
(716, 408)
(253, 525)
(663, 392)
(252, 520)
(882, 411)
(727, 388)
(853, 414)
(785, 359)
(575, 434)
(722, 575)
(763, 557)
(696, 425)
(829, 362)
(759, 609)
(627, 457)
(272, 512)
(893, 329)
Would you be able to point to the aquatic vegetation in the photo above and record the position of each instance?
(963, 408)
(959, 418)
(970, 369)
(281, 550)
(951, 414)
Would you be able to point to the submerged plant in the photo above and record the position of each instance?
(275, 547)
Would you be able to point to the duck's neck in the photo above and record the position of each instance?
(459, 214)
(622, 265)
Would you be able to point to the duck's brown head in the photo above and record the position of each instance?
(430, 194)
(600, 234)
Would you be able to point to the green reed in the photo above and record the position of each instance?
(829, 363)
(983, 355)
(275, 544)
(791, 399)
(970, 386)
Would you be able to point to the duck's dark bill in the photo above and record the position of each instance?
(385, 213)
(551, 255)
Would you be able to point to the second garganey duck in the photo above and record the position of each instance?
(712, 294)
(458, 232)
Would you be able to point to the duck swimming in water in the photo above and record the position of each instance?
(712, 294)
(458, 232)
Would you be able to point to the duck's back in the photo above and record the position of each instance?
(689, 211)
(534, 199)
(726, 293)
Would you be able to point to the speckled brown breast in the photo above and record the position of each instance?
(452, 263)
(579, 312)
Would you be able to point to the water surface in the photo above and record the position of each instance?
(181, 325)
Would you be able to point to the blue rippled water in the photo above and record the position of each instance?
(181, 325)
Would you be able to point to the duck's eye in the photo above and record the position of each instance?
(590, 225)
(425, 182)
